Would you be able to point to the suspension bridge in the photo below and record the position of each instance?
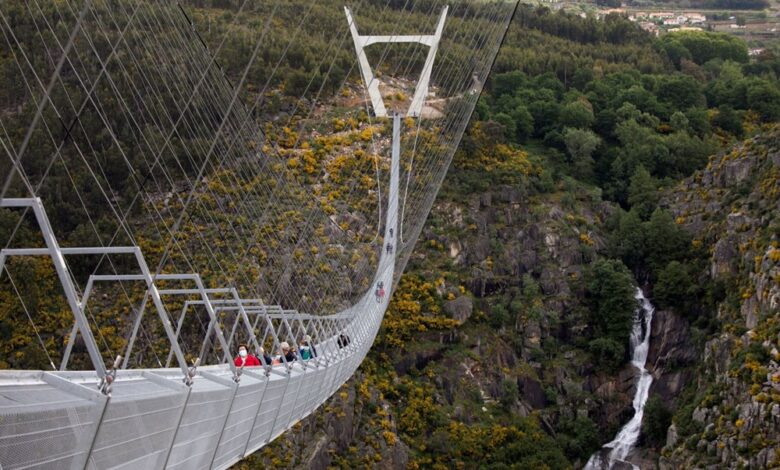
(160, 207)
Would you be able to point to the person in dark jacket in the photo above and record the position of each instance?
(266, 358)
(343, 341)
(289, 354)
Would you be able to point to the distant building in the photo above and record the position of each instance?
(696, 18)
(684, 28)
(650, 27)
(755, 52)
(661, 15)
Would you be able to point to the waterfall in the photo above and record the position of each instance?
(617, 450)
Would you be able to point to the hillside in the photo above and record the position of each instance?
(478, 352)
(496, 334)
(730, 416)
(484, 343)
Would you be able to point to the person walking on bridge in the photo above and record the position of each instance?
(307, 350)
(266, 358)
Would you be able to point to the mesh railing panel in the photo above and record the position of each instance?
(201, 425)
(288, 403)
(41, 425)
(272, 399)
(239, 422)
(139, 425)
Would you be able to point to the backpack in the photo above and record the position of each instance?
(305, 353)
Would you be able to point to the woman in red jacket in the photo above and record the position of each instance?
(244, 359)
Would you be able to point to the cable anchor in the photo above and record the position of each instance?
(191, 373)
(108, 380)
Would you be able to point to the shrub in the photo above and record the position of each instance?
(509, 393)
(673, 287)
(608, 354)
(656, 421)
(610, 298)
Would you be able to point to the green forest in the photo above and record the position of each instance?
(628, 116)
(712, 4)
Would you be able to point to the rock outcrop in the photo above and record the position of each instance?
(511, 279)
(731, 414)
(671, 356)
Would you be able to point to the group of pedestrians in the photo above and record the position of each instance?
(389, 245)
(286, 354)
(307, 350)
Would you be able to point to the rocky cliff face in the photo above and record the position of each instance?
(672, 355)
(517, 244)
(507, 270)
(731, 415)
(488, 326)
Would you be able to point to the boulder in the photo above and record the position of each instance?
(317, 456)
(669, 385)
(717, 353)
(551, 240)
(749, 310)
(459, 309)
(724, 257)
(532, 392)
(455, 249)
(671, 436)
(734, 171)
(395, 457)
(670, 340)
(533, 334)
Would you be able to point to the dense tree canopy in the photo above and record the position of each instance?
(610, 291)
(612, 106)
(704, 46)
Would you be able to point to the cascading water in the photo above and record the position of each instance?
(617, 450)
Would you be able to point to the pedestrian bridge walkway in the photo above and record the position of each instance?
(132, 110)
(190, 417)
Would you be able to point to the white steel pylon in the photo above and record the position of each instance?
(372, 84)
